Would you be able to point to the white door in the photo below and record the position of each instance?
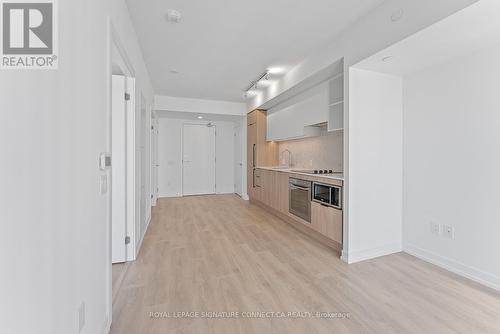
(198, 159)
(118, 169)
(238, 161)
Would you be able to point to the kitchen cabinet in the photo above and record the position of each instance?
(327, 221)
(297, 117)
(271, 191)
(260, 153)
(257, 189)
(282, 192)
(336, 103)
(273, 187)
(267, 188)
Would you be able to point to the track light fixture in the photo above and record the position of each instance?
(255, 84)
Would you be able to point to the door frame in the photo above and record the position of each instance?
(238, 128)
(154, 157)
(182, 153)
(114, 42)
(131, 121)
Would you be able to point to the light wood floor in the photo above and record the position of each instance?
(219, 253)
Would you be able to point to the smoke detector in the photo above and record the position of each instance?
(397, 15)
(173, 16)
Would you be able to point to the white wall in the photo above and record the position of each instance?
(170, 103)
(452, 164)
(170, 156)
(53, 126)
(376, 160)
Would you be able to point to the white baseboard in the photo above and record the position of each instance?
(344, 257)
(138, 248)
(169, 196)
(225, 192)
(107, 326)
(367, 254)
(458, 268)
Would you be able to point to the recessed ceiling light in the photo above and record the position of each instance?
(386, 59)
(200, 117)
(276, 70)
(173, 16)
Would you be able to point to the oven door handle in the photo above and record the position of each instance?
(294, 187)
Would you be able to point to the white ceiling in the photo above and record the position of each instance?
(220, 46)
(464, 32)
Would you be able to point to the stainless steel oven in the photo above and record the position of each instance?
(327, 194)
(300, 198)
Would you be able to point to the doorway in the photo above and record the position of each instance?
(198, 159)
(122, 148)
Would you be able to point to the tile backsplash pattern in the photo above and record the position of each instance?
(323, 152)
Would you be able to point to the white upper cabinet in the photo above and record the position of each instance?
(298, 116)
(295, 117)
(336, 103)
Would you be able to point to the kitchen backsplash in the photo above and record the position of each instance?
(323, 152)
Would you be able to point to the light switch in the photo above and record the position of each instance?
(103, 184)
(104, 161)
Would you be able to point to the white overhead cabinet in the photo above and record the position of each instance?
(306, 113)
(298, 116)
(336, 103)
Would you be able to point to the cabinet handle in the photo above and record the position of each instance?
(253, 155)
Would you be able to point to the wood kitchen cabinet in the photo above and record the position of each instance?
(281, 187)
(260, 153)
(268, 191)
(257, 189)
(327, 221)
(273, 187)
(272, 193)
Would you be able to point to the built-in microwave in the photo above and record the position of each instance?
(327, 194)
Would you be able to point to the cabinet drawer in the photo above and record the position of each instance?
(257, 174)
(327, 221)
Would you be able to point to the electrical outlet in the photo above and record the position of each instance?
(449, 232)
(435, 228)
(81, 317)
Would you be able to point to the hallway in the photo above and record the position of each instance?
(222, 254)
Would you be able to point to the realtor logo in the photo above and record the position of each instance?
(29, 38)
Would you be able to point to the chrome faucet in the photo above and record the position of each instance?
(289, 157)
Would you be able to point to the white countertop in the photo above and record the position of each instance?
(336, 176)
